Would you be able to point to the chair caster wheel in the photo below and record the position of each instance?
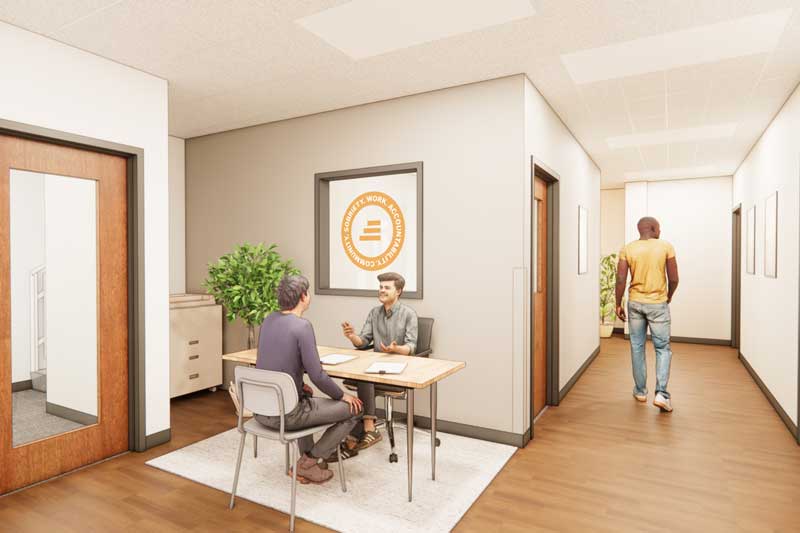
(438, 442)
(392, 457)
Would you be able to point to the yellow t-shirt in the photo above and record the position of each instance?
(647, 260)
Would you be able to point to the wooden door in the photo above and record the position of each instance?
(736, 278)
(107, 433)
(539, 392)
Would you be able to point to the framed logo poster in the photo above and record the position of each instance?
(368, 221)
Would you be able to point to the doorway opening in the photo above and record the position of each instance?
(544, 290)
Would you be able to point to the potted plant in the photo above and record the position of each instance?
(245, 282)
(608, 283)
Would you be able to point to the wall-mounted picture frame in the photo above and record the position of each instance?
(750, 241)
(368, 221)
(583, 240)
(771, 236)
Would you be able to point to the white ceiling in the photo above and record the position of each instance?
(665, 88)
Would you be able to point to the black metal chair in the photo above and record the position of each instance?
(390, 392)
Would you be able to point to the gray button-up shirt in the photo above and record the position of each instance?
(398, 324)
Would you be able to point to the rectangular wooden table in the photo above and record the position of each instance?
(420, 372)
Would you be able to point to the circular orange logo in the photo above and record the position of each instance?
(373, 231)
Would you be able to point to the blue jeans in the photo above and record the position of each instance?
(657, 317)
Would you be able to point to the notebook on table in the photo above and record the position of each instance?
(336, 358)
(386, 368)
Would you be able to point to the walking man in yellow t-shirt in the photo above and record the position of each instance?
(651, 262)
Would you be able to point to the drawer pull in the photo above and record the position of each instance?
(193, 342)
(194, 376)
(191, 357)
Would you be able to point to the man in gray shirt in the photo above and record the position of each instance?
(391, 328)
(287, 344)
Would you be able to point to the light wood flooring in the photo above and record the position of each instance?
(722, 461)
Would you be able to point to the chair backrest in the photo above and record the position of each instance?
(424, 332)
(262, 391)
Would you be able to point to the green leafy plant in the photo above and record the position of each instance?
(245, 281)
(608, 283)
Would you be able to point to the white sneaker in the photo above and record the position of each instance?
(640, 397)
(663, 402)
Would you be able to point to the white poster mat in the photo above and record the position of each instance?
(373, 229)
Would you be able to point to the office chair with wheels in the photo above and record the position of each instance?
(390, 392)
(272, 394)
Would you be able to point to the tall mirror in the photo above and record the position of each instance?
(53, 233)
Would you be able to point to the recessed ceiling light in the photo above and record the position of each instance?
(652, 138)
(705, 44)
(366, 28)
(704, 171)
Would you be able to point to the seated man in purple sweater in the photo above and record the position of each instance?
(287, 344)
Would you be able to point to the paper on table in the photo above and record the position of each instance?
(336, 358)
(386, 368)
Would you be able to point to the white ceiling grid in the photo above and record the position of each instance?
(687, 85)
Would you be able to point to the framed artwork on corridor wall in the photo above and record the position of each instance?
(771, 236)
(368, 221)
(751, 240)
(583, 240)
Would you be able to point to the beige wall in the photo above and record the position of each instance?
(256, 184)
(177, 215)
(769, 305)
(612, 221)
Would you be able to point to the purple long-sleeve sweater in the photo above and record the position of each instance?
(287, 343)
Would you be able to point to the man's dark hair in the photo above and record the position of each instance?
(399, 281)
(290, 290)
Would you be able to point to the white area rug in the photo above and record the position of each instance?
(377, 495)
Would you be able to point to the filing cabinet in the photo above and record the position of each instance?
(195, 343)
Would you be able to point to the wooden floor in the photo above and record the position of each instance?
(722, 461)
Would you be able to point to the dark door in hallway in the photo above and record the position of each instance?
(736, 277)
(539, 326)
(63, 341)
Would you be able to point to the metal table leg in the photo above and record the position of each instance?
(410, 438)
(433, 431)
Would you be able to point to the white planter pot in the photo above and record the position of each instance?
(606, 330)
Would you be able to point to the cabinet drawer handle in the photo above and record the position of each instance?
(191, 357)
(193, 342)
(194, 376)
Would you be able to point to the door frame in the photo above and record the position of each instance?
(736, 276)
(551, 178)
(135, 200)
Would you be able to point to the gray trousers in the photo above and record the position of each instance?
(366, 393)
(315, 412)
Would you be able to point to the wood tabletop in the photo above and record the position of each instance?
(419, 373)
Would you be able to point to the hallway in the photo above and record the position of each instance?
(722, 461)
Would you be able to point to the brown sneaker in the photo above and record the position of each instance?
(310, 471)
(370, 438)
(347, 453)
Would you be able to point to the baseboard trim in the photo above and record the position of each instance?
(464, 430)
(691, 340)
(775, 405)
(157, 439)
(571, 383)
(22, 385)
(70, 414)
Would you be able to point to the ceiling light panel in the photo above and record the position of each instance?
(367, 28)
(716, 131)
(703, 171)
(704, 44)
